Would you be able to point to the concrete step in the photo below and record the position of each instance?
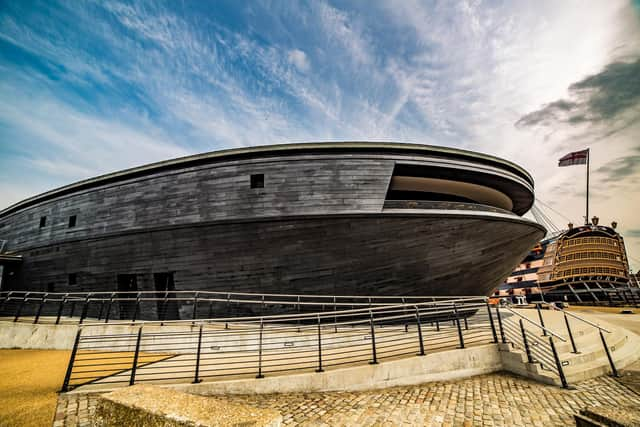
(622, 356)
(590, 362)
(515, 362)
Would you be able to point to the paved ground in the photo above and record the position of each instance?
(492, 400)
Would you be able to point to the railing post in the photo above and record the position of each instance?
(298, 308)
(260, 351)
(544, 331)
(101, 308)
(419, 326)
(163, 308)
(437, 325)
(85, 307)
(195, 307)
(502, 337)
(5, 300)
(335, 318)
(61, 308)
(406, 322)
(135, 311)
(19, 310)
(42, 302)
(563, 380)
(106, 317)
(493, 326)
(614, 371)
(573, 343)
(196, 378)
(226, 324)
(319, 347)
(73, 307)
(373, 340)
(457, 320)
(132, 380)
(72, 359)
(526, 343)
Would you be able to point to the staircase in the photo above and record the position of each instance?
(558, 347)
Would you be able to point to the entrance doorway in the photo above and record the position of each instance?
(127, 301)
(166, 305)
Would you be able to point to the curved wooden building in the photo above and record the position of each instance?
(353, 218)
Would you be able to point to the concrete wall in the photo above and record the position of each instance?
(443, 366)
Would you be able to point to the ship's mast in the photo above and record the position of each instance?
(586, 218)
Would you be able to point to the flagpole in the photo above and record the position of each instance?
(586, 218)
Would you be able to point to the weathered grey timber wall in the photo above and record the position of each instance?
(292, 186)
(318, 226)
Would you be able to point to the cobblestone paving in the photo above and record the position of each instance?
(491, 400)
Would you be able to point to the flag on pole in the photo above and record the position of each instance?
(575, 158)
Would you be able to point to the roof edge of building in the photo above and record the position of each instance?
(275, 149)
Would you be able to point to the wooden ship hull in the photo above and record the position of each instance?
(327, 219)
(585, 264)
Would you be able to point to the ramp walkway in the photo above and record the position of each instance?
(346, 343)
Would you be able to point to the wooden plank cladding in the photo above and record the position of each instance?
(309, 219)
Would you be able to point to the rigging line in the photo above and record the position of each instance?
(549, 220)
(555, 211)
(543, 219)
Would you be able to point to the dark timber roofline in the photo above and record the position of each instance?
(271, 150)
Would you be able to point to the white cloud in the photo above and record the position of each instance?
(299, 59)
(458, 75)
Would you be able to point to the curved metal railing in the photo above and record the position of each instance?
(71, 307)
(256, 346)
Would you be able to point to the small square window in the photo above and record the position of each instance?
(257, 180)
(43, 221)
(72, 221)
(73, 278)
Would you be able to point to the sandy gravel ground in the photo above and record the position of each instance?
(28, 386)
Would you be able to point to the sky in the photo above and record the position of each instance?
(90, 87)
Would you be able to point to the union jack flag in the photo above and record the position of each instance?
(575, 158)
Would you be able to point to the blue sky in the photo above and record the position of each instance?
(96, 86)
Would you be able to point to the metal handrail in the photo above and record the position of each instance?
(156, 292)
(269, 345)
(555, 307)
(329, 304)
(305, 316)
(549, 331)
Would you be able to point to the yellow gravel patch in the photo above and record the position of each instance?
(92, 365)
(29, 384)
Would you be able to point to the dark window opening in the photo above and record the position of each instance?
(167, 308)
(257, 180)
(72, 221)
(127, 286)
(43, 221)
(423, 195)
(51, 287)
(73, 279)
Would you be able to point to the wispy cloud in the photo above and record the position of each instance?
(98, 86)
